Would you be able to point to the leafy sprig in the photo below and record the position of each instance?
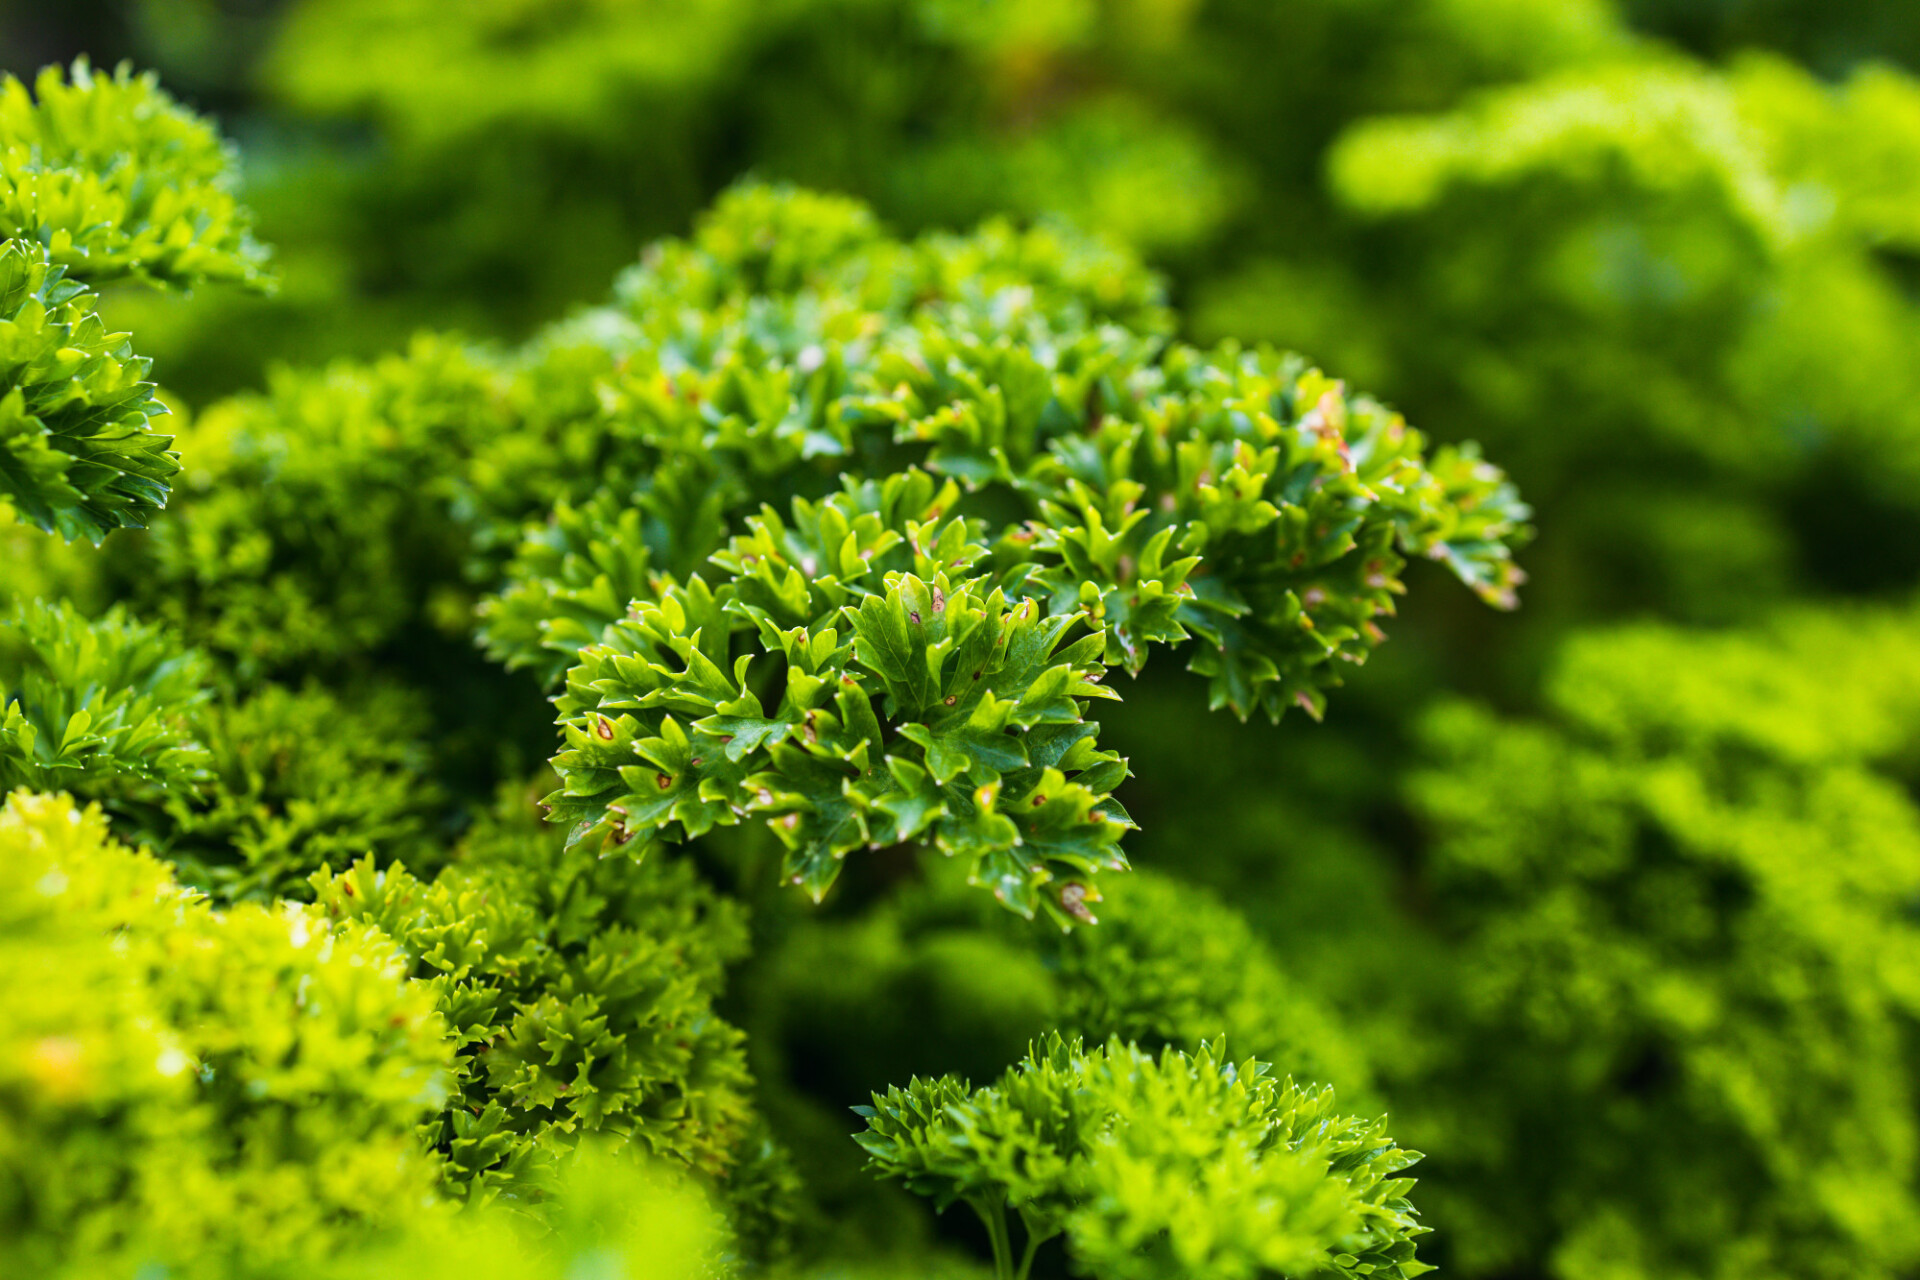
(115, 179)
(580, 993)
(78, 453)
(101, 178)
(899, 698)
(1026, 465)
(237, 1090)
(87, 702)
(1188, 1166)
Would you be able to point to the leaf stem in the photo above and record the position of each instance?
(1034, 1241)
(993, 1212)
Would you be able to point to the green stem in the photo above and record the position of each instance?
(1026, 1259)
(994, 1213)
(1035, 1238)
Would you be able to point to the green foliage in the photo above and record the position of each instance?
(1775, 190)
(850, 531)
(100, 178)
(1632, 967)
(824, 767)
(568, 580)
(116, 179)
(1193, 131)
(613, 1218)
(247, 796)
(78, 455)
(1685, 912)
(298, 779)
(36, 567)
(581, 992)
(936, 662)
(1172, 965)
(572, 67)
(98, 708)
(936, 978)
(303, 533)
(991, 432)
(1568, 300)
(113, 178)
(1181, 1166)
(1701, 275)
(180, 1083)
(811, 529)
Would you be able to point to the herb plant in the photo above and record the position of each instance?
(824, 543)
(1606, 903)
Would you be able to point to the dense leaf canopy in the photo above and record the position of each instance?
(796, 577)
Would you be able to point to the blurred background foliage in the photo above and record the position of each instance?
(1622, 932)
